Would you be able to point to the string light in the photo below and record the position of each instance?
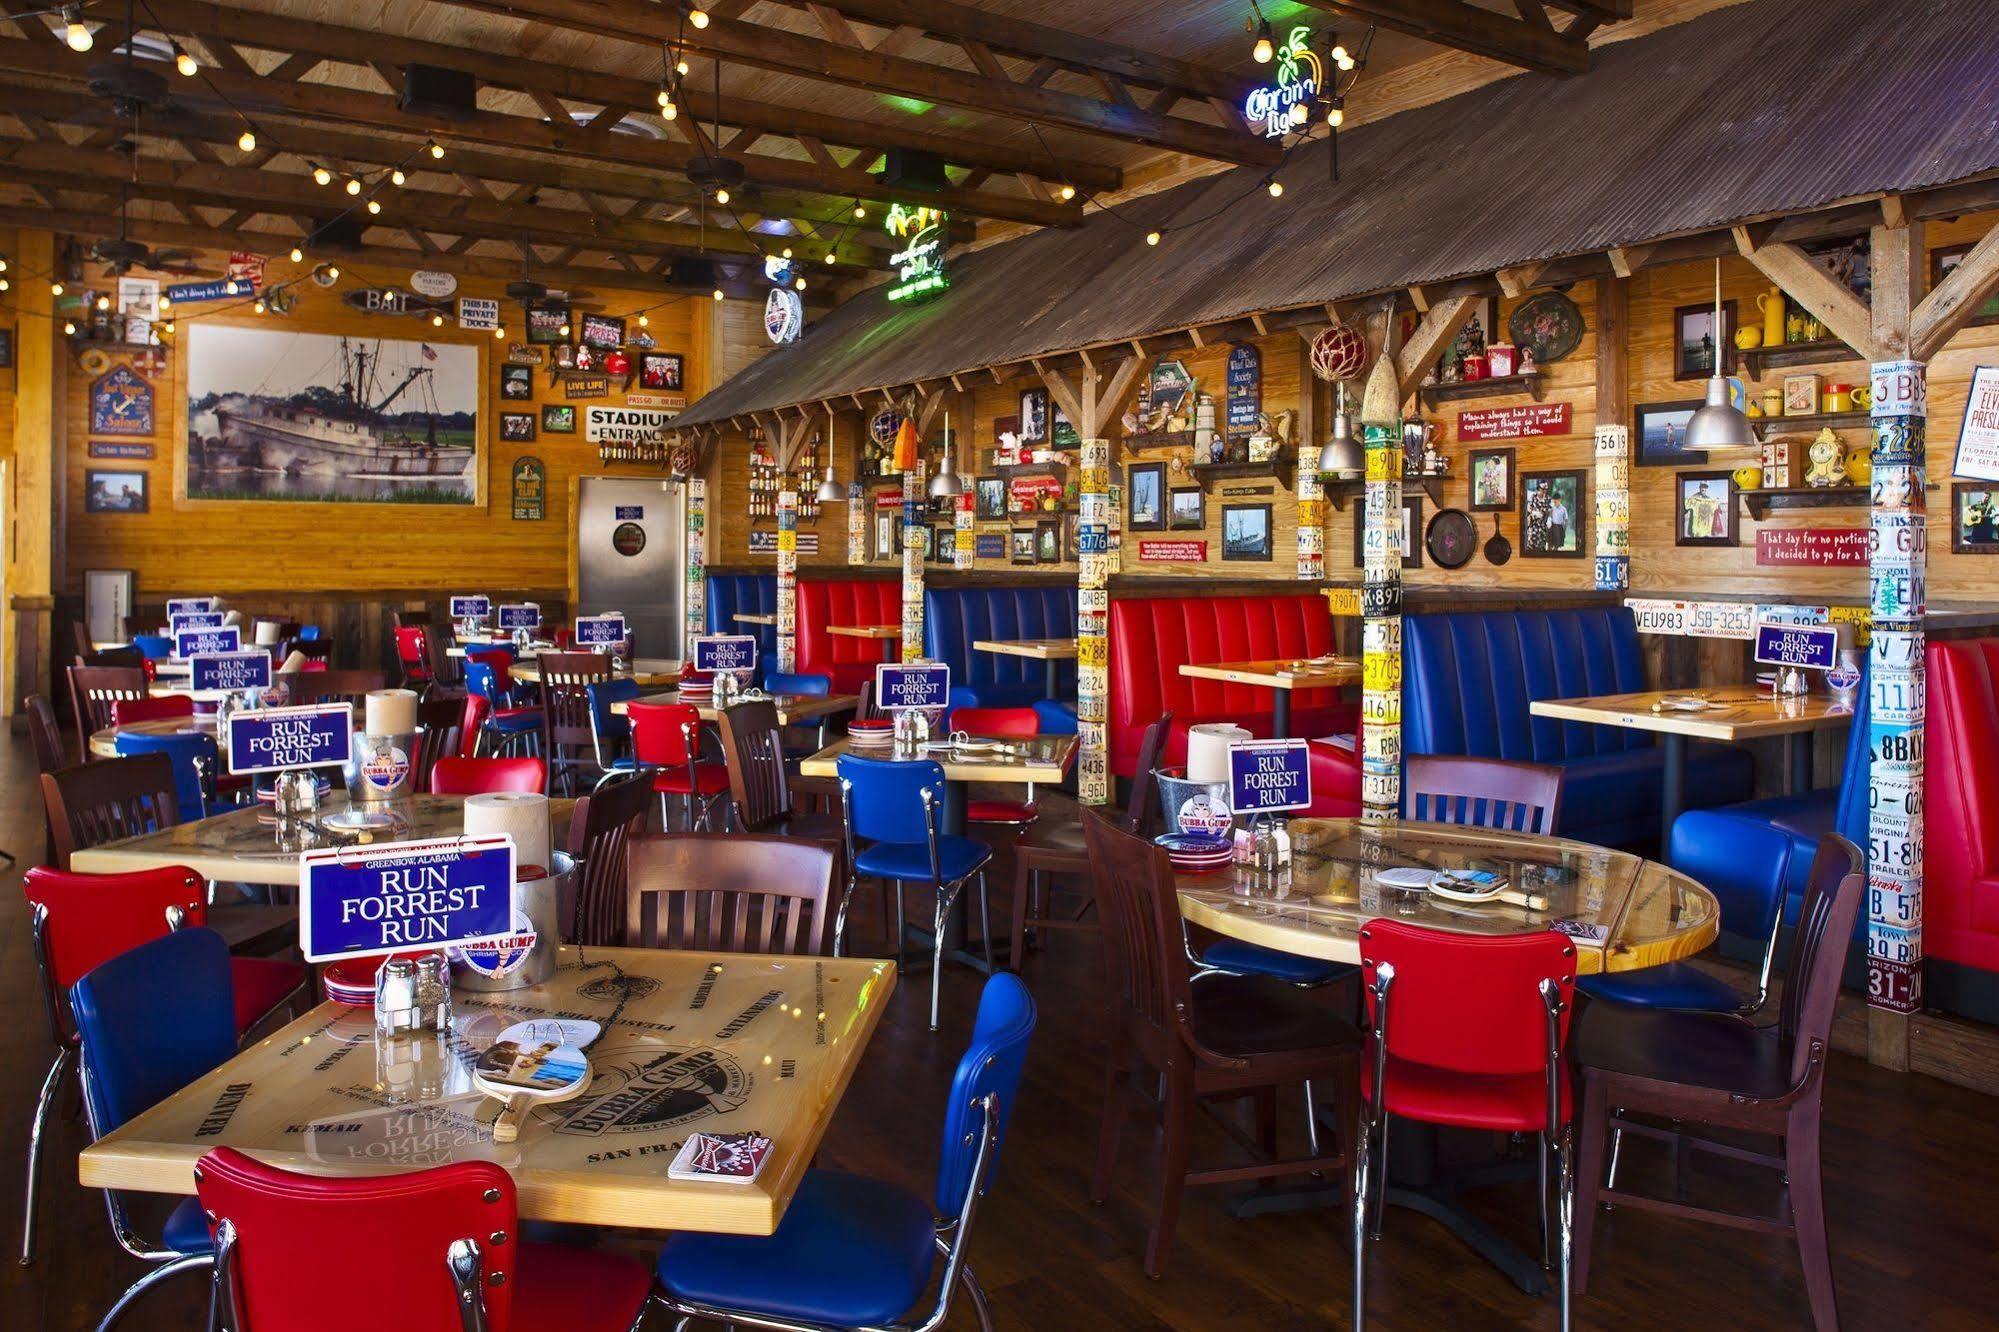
(320, 175)
(104, 302)
(333, 273)
(73, 31)
(787, 252)
(1264, 48)
(184, 62)
(721, 196)
(229, 287)
(800, 284)
(247, 141)
(680, 67)
(565, 330)
(55, 288)
(718, 293)
(499, 330)
(1338, 115)
(829, 258)
(860, 213)
(353, 185)
(397, 177)
(374, 205)
(298, 255)
(4, 284)
(437, 321)
(258, 307)
(3, 265)
(1276, 189)
(69, 328)
(645, 321)
(667, 110)
(698, 17)
(1067, 192)
(1152, 238)
(168, 328)
(1299, 113)
(165, 300)
(436, 149)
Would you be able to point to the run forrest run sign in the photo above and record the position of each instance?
(1299, 73)
(919, 264)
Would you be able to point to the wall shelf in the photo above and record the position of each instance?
(1824, 351)
(1160, 439)
(1278, 467)
(1059, 470)
(1338, 491)
(1500, 387)
(1814, 423)
(1760, 502)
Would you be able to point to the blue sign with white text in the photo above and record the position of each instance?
(471, 608)
(180, 293)
(920, 685)
(628, 513)
(207, 642)
(525, 615)
(231, 671)
(599, 630)
(411, 895)
(725, 652)
(1814, 646)
(1269, 776)
(317, 735)
(189, 605)
(208, 619)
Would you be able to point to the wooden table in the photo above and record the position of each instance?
(1282, 675)
(1038, 758)
(460, 648)
(746, 617)
(104, 743)
(720, 1043)
(241, 845)
(1735, 713)
(1051, 651)
(791, 708)
(1624, 912)
(645, 670)
(876, 631)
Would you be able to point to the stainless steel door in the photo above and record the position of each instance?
(630, 557)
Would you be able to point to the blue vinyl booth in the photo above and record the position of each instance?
(730, 595)
(1468, 679)
(954, 618)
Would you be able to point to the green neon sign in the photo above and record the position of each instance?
(919, 265)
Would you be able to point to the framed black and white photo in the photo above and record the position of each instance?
(517, 427)
(1704, 509)
(517, 382)
(1491, 480)
(1145, 497)
(1187, 510)
(1659, 432)
(1033, 416)
(1696, 341)
(558, 418)
(1551, 514)
(1020, 545)
(1246, 532)
(989, 497)
(661, 371)
(114, 492)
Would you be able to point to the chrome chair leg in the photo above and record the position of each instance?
(1616, 1147)
(985, 921)
(49, 1085)
(189, 1263)
(840, 920)
(1381, 1189)
(1547, 1230)
(937, 954)
(1360, 1169)
(982, 1310)
(1311, 1120)
(1565, 1210)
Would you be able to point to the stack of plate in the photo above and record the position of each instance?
(351, 982)
(875, 733)
(1196, 853)
(697, 689)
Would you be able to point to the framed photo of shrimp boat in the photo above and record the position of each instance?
(315, 418)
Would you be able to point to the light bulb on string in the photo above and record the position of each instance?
(168, 328)
(73, 32)
(1264, 48)
(667, 109)
(165, 300)
(333, 273)
(436, 149)
(698, 17)
(860, 212)
(353, 185)
(247, 141)
(437, 321)
(786, 252)
(1299, 113)
(1276, 189)
(645, 321)
(721, 196)
(104, 302)
(1341, 56)
(1152, 238)
(374, 205)
(69, 328)
(718, 293)
(55, 288)
(397, 177)
(565, 330)
(229, 287)
(321, 176)
(184, 62)
(4, 284)
(1338, 115)
(3, 265)
(1067, 192)
(258, 307)
(680, 68)
(829, 258)
(499, 330)
(800, 284)
(298, 255)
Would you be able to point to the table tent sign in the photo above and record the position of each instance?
(1806, 646)
(599, 630)
(403, 896)
(189, 643)
(316, 735)
(197, 619)
(230, 672)
(735, 653)
(1269, 777)
(192, 606)
(519, 615)
(918, 685)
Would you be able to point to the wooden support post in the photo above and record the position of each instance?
(1381, 592)
(1443, 322)
(784, 446)
(1948, 308)
(1613, 437)
(695, 515)
(1815, 288)
(33, 556)
(1311, 494)
(915, 527)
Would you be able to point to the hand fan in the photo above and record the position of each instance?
(538, 1062)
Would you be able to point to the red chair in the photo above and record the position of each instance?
(81, 920)
(1466, 1031)
(482, 776)
(666, 737)
(440, 1247)
(477, 709)
(410, 654)
(1005, 723)
(167, 707)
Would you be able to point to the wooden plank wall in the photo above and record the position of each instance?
(10, 324)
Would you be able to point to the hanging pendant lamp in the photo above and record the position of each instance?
(1719, 424)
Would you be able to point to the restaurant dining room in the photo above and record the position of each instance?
(903, 665)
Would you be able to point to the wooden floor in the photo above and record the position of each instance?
(1912, 1187)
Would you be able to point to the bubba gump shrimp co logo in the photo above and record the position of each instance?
(641, 1087)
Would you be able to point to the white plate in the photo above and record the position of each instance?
(1451, 894)
(1405, 876)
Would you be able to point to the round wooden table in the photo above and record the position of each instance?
(104, 743)
(1624, 912)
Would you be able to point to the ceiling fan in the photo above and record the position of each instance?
(529, 292)
(121, 255)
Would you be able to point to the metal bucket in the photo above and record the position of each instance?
(382, 768)
(528, 958)
(1193, 807)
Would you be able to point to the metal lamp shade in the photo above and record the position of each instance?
(829, 489)
(1342, 454)
(947, 483)
(1718, 425)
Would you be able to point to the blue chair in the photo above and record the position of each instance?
(730, 595)
(156, 647)
(309, 633)
(611, 732)
(195, 761)
(954, 618)
(854, 1252)
(508, 722)
(798, 682)
(152, 1021)
(896, 806)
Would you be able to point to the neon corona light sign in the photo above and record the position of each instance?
(1298, 76)
(919, 264)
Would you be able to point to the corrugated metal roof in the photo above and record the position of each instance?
(1775, 107)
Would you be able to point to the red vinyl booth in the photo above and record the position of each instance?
(1961, 814)
(1151, 638)
(847, 662)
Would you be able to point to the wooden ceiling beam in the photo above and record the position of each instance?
(356, 46)
(327, 104)
(816, 58)
(1466, 27)
(952, 22)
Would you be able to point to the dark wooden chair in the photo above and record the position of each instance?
(51, 750)
(1054, 847)
(729, 893)
(92, 691)
(311, 649)
(1230, 1038)
(567, 741)
(80, 634)
(1482, 792)
(122, 659)
(1718, 1071)
(336, 687)
(444, 668)
(91, 804)
(441, 722)
(410, 618)
(603, 826)
(761, 782)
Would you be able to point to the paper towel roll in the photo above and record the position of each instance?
(267, 633)
(1208, 750)
(390, 712)
(518, 814)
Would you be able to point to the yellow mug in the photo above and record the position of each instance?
(1837, 399)
(1863, 397)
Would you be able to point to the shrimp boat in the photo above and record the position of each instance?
(346, 433)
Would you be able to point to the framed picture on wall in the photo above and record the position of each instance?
(943, 543)
(885, 534)
(1696, 341)
(989, 497)
(1491, 480)
(1551, 514)
(517, 427)
(1033, 416)
(1974, 519)
(558, 418)
(1145, 497)
(661, 370)
(1943, 262)
(547, 324)
(114, 492)
(1246, 532)
(1660, 432)
(517, 382)
(1020, 545)
(1187, 510)
(1048, 541)
(1704, 509)
(1412, 533)
(7, 347)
